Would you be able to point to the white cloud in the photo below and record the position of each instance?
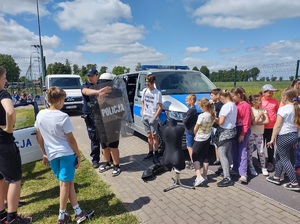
(15, 7)
(17, 40)
(282, 47)
(90, 15)
(116, 37)
(196, 49)
(244, 14)
(228, 50)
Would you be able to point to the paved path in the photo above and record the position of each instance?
(237, 204)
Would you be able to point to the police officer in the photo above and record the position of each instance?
(88, 95)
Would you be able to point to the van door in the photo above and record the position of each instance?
(141, 84)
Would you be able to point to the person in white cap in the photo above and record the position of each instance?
(88, 93)
(271, 105)
(109, 129)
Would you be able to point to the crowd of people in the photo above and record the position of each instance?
(238, 127)
(235, 125)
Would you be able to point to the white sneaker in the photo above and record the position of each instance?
(243, 179)
(253, 171)
(199, 181)
(265, 171)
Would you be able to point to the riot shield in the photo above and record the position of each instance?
(112, 115)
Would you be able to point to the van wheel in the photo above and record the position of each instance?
(161, 144)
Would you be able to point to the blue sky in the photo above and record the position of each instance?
(217, 33)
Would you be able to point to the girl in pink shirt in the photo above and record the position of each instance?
(271, 105)
(243, 122)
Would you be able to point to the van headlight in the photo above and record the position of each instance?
(175, 115)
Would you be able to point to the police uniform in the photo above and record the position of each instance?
(90, 124)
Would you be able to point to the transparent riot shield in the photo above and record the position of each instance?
(112, 115)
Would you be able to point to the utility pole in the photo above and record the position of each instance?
(41, 46)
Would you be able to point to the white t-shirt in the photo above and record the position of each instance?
(229, 110)
(54, 125)
(204, 131)
(151, 99)
(287, 112)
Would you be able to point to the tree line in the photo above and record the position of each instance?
(13, 71)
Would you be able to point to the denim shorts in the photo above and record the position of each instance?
(190, 140)
(64, 168)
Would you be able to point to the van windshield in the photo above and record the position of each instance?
(179, 82)
(65, 82)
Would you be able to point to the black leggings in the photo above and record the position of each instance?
(267, 138)
(201, 151)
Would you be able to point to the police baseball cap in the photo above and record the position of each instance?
(92, 72)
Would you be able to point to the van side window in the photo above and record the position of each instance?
(141, 85)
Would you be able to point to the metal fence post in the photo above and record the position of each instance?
(297, 68)
(234, 84)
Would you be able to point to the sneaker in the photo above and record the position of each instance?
(270, 167)
(21, 220)
(148, 156)
(297, 171)
(188, 164)
(65, 220)
(105, 167)
(265, 171)
(116, 171)
(3, 220)
(95, 164)
(84, 215)
(217, 162)
(205, 178)
(292, 187)
(253, 171)
(225, 183)
(273, 180)
(243, 179)
(198, 181)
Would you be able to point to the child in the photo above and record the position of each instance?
(225, 134)
(243, 122)
(286, 135)
(151, 108)
(202, 133)
(259, 118)
(271, 105)
(189, 122)
(60, 150)
(215, 97)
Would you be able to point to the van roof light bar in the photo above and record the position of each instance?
(175, 67)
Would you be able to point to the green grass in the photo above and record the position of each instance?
(255, 87)
(41, 192)
(24, 118)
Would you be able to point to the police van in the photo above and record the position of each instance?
(175, 83)
(72, 86)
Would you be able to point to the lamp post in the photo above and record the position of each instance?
(41, 46)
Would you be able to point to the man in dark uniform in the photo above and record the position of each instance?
(88, 94)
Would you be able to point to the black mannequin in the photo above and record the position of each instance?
(173, 154)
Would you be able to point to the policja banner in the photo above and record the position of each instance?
(112, 115)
